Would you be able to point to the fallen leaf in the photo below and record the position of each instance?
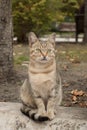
(75, 60)
(80, 93)
(85, 94)
(77, 93)
(74, 92)
(83, 104)
(74, 98)
(65, 67)
(67, 104)
(66, 85)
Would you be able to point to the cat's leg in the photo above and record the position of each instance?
(50, 108)
(51, 105)
(40, 105)
(39, 102)
(41, 114)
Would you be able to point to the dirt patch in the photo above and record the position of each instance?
(73, 74)
(74, 79)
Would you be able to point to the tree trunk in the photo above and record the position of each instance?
(6, 51)
(85, 23)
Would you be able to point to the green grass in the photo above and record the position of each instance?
(20, 59)
(21, 53)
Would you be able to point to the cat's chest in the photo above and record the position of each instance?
(38, 79)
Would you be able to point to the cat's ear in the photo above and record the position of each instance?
(32, 38)
(51, 38)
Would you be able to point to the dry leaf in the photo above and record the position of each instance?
(66, 85)
(68, 104)
(77, 93)
(80, 93)
(83, 104)
(65, 67)
(74, 92)
(74, 60)
(85, 94)
(74, 98)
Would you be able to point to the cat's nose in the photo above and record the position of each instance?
(44, 58)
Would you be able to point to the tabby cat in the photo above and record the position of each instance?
(38, 93)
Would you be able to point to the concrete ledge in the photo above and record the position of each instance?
(66, 119)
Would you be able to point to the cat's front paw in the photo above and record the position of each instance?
(51, 115)
(41, 117)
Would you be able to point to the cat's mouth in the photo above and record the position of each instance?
(45, 60)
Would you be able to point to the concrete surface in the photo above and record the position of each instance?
(66, 119)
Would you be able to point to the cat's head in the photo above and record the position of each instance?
(41, 52)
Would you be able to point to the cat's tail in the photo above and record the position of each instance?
(33, 114)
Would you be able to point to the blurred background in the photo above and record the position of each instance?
(43, 16)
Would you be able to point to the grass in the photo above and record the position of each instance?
(20, 59)
(21, 53)
(65, 52)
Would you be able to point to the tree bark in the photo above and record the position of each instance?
(85, 23)
(6, 51)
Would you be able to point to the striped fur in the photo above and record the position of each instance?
(38, 92)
